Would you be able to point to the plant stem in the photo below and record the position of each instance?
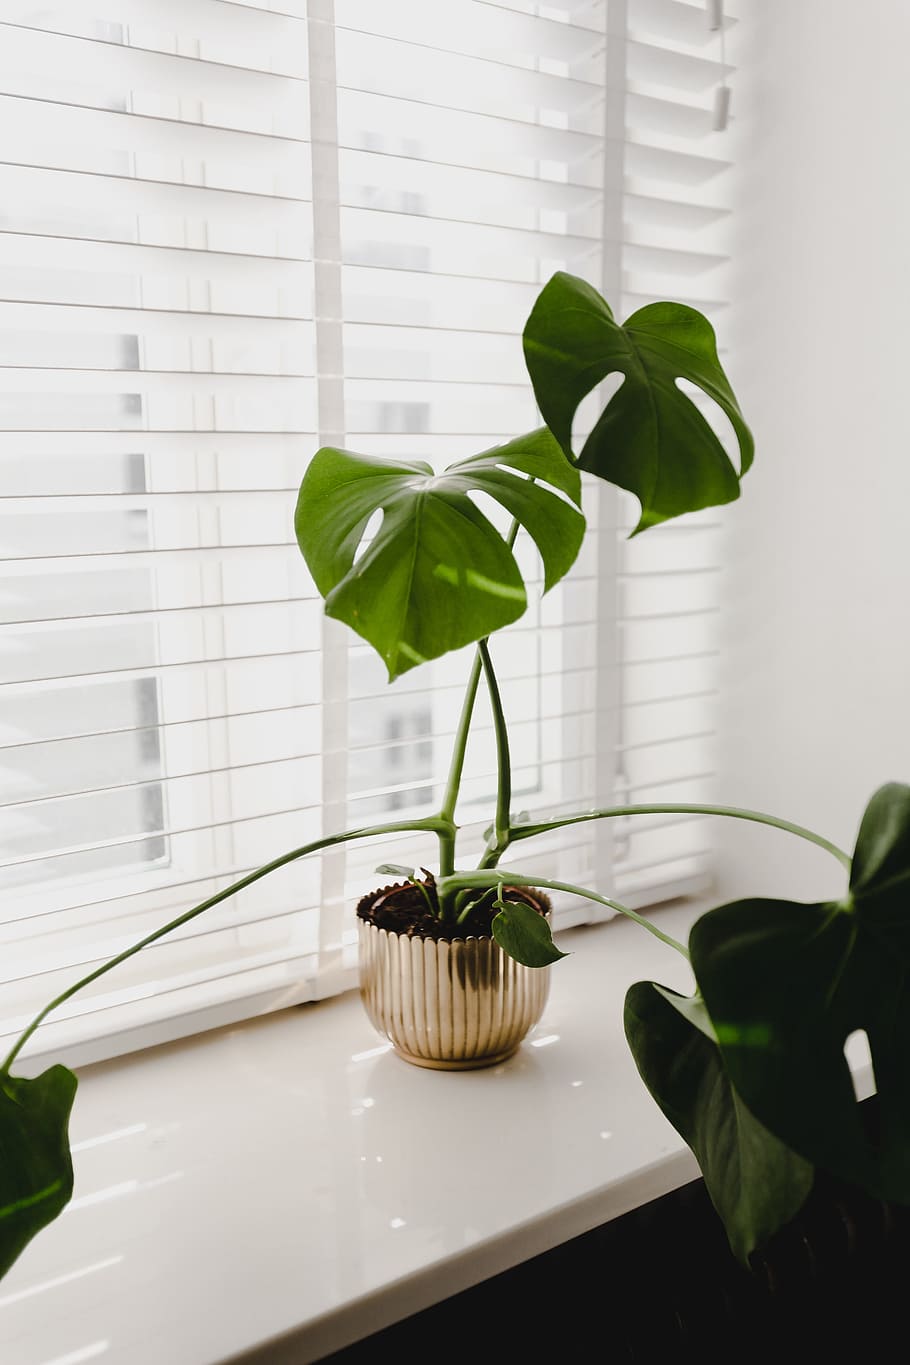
(734, 812)
(456, 768)
(433, 823)
(419, 886)
(459, 748)
(502, 819)
(478, 879)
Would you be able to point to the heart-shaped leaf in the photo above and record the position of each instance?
(437, 575)
(756, 1183)
(36, 1169)
(786, 984)
(524, 934)
(650, 438)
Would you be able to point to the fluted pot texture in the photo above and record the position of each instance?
(449, 1005)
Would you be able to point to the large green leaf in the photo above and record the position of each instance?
(437, 575)
(756, 1183)
(786, 984)
(36, 1170)
(650, 438)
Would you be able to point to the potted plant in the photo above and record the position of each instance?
(454, 966)
(750, 1069)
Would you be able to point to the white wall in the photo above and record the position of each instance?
(816, 670)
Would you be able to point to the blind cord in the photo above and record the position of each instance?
(721, 111)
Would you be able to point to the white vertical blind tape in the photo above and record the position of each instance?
(229, 233)
(330, 368)
(607, 699)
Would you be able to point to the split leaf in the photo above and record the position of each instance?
(650, 438)
(437, 575)
(786, 984)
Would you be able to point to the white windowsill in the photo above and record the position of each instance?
(272, 1191)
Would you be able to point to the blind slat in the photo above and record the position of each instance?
(501, 33)
(286, 61)
(220, 26)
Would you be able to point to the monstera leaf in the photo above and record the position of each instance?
(437, 575)
(786, 984)
(650, 438)
(756, 1183)
(36, 1170)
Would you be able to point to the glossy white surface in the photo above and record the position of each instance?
(276, 1190)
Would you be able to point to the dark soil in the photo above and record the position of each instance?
(402, 909)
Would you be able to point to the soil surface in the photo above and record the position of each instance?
(402, 909)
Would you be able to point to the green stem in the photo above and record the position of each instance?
(464, 904)
(734, 812)
(456, 768)
(456, 763)
(419, 886)
(502, 819)
(479, 879)
(433, 823)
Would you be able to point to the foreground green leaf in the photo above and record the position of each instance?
(786, 984)
(650, 438)
(524, 934)
(880, 872)
(36, 1169)
(756, 1184)
(437, 575)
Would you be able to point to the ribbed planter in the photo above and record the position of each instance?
(449, 1005)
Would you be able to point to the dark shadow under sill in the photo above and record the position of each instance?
(659, 1285)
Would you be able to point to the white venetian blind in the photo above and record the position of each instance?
(174, 710)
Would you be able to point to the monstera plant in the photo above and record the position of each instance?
(750, 1069)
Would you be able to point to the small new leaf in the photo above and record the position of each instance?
(395, 870)
(524, 934)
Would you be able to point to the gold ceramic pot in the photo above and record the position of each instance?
(449, 1005)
